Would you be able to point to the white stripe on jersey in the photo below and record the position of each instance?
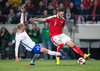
(53, 16)
(63, 18)
(25, 40)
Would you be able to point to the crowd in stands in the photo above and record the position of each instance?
(10, 10)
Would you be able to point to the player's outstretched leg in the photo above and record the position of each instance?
(76, 49)
(44, 50)
(36, 56)
(59, 47)
(37, 49)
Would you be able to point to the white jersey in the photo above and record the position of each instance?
(25, 40)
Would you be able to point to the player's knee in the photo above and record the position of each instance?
(44, 50)
(70, 43)
(59, 42)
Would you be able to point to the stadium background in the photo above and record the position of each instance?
(83, 26)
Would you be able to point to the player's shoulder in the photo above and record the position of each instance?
(51, 16)
(63, 18)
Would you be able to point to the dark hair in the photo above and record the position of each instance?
(60, 10)
(3, 28)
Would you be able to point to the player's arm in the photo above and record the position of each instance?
(16, 48)
(48, 19)
(37, 19)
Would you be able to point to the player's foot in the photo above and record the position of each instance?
(86, 55)
(57, 60)
(62, 52)
(31, 64)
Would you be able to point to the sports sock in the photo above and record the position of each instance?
(59, 47)
(58, 60)
(34, 58)
(53, 53)
(78, 50)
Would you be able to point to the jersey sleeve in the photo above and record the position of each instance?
(48, 19)
(17, 45)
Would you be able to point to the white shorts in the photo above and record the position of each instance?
(62, 37)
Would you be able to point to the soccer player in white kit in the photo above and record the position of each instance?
(23, 38)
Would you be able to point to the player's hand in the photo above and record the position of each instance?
(17, 59)
(32, 19)
(2, 34)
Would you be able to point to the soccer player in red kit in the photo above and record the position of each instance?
(56, 25)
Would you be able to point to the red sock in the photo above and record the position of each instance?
(78, 50)
(59, 47)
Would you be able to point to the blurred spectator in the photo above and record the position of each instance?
(50, 8)
(6, 9)
(54, 12)
(12, 17)
(11, 45)
(87, 3)
(15, 3)
(68, 14)
(98, 2)
(4, 37)
(2, 18)
(23, 16)
(73, 9)
(46, 39)
(45, 2)
(55, 3)
(82, 10)
(2, 3)
(34, 33)
(45, 13)
(36, 2)
(40, 8)
(18, 10)
(61, 6)
(69, 21)
(65, 2)
(94, 11)
(30, 7)
(77, 3)
(27, 28)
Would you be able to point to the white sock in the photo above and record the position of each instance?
(54, 53)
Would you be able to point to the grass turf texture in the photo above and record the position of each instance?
(49, 65)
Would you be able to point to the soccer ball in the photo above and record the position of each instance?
(81, 61)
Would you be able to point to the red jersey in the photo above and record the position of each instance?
(55, 26)
(86, 3)
(98, 2)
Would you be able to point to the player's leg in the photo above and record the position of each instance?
(37, 49)
(67, 41)
(76, 49)
(59, 47)
(44, 50)
(36, 56)
(57, 41)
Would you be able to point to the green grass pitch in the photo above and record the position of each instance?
(49, 65)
